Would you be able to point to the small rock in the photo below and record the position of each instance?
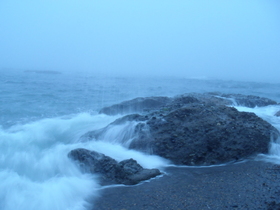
(127, 172)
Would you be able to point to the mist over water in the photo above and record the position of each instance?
(28, 96)
(36, 172)
(43, 117)
(216, 39)
(62, 61)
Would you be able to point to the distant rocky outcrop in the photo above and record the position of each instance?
(127, 172)
(249, 100)
(135, 105)
(195, 129)
(148, 104)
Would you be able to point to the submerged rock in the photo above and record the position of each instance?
(127, 172)
(197, 129)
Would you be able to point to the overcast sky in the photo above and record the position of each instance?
(222, 39)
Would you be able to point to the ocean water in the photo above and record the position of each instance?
(43, 115)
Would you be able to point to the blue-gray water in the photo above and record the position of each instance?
(42, 116)
(27, 96)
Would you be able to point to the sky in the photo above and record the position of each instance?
(217, 39)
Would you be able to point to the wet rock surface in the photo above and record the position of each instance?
(202, 134)
(147, 104)
(127, 172)
(196, 129)
(248, 100)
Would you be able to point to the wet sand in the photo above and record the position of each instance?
(247, 185)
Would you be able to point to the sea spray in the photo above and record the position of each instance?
(59, 192)
(268, 114)
(35, 170)
(124, 133)
(36, 173)
(119, 152)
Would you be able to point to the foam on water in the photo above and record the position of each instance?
(268, 114)
(36, 173)
(119, 152)
(120, 134)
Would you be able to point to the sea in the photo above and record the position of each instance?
(43, 114)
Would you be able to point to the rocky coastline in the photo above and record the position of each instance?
(193, 129)
(189, 130)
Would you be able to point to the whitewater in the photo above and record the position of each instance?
(43, 115)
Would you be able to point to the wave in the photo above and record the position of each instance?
(268, 114)
(36, 173)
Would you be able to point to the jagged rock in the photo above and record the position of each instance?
(94, 162)
(197, 129)
(152, 104)
(202, 134)
(277, 114)
(130, 172)
(127, 172)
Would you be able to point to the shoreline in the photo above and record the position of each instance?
(246, 185)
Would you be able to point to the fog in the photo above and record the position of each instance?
(217, 39)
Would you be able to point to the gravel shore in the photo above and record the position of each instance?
(246, 185)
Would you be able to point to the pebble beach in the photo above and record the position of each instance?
(245, 185)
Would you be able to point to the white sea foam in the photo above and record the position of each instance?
(118, 152)
(36, 173)
(120, 134)
(268, 113)
(35, 170)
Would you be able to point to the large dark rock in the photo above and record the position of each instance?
(127, 172)
(202, 134)
(150, 104)
(198, 129)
